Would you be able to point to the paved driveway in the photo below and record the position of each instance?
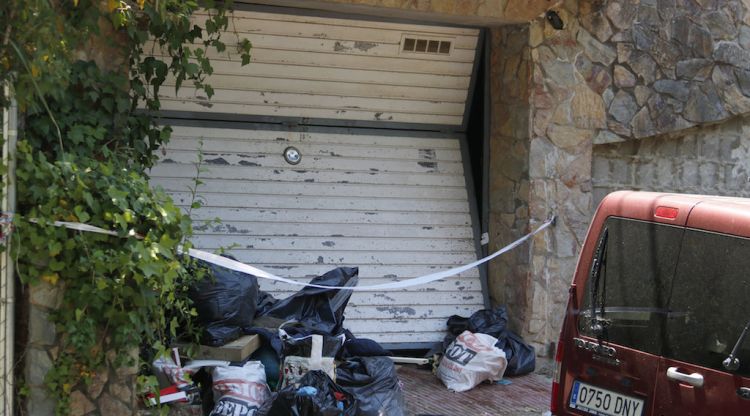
(425, 395)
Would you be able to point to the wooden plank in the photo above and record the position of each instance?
(249, 187)
(276, 160)
(220, 81)
(280, 111)
(368, 140)
(184, 170)
(237, 350)
(213, 242)
(301, 100)
(259, 146)
(331, 216)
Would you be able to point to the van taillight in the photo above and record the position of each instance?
(553, 407)
(669, 213)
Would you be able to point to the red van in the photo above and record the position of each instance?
(659, 310)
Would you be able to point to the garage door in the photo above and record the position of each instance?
(392, 202)
(343, 69)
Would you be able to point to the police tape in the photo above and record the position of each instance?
(245, 268)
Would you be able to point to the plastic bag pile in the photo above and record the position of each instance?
(309, 365)
(482, 348)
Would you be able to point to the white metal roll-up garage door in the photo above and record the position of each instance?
(394, 206)
(307, 66)
(392, 202)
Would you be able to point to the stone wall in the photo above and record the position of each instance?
(619, 71)
(712, 160)
(674, 64)
(111, 391)
(567, 109)
(510, 71)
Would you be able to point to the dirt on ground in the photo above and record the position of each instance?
(426, 395)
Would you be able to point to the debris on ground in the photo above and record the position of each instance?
(471, 359)
(425, 394)
(225, 301)
(294, 356)
(239, 390)
(521, 356)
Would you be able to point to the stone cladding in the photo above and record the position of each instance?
(621, 71)
(713, 160)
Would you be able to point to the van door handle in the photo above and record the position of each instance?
(743, 392)
(695, 379)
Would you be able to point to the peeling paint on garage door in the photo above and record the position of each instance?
(341, 69)
(395, 206)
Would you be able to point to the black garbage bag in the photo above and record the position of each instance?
(521, 356)
(321, 310)
(297, 341)
(489, 321)
(457, 325)
(327, 399)
(265, 303)
(225, 302)
(303, 353)
(486, 321)
(363, 347)
(374, 384)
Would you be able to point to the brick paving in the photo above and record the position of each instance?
(426, 395)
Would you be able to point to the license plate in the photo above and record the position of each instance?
(599, 401)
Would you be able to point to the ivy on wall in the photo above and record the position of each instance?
(80, 71)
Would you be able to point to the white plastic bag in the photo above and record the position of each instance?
(295, 367)
(169, 373)
(470, 360)
(239, 390)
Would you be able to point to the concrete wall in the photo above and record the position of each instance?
(468, 12)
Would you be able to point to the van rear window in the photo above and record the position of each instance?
(712, 290)
(670, 291)
(634, 286)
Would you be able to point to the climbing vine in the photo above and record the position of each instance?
(82, 72)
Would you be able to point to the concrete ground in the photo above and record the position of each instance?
(426, 395)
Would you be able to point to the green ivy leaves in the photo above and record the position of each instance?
(126, 291)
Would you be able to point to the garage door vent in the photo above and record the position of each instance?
(422, 45)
